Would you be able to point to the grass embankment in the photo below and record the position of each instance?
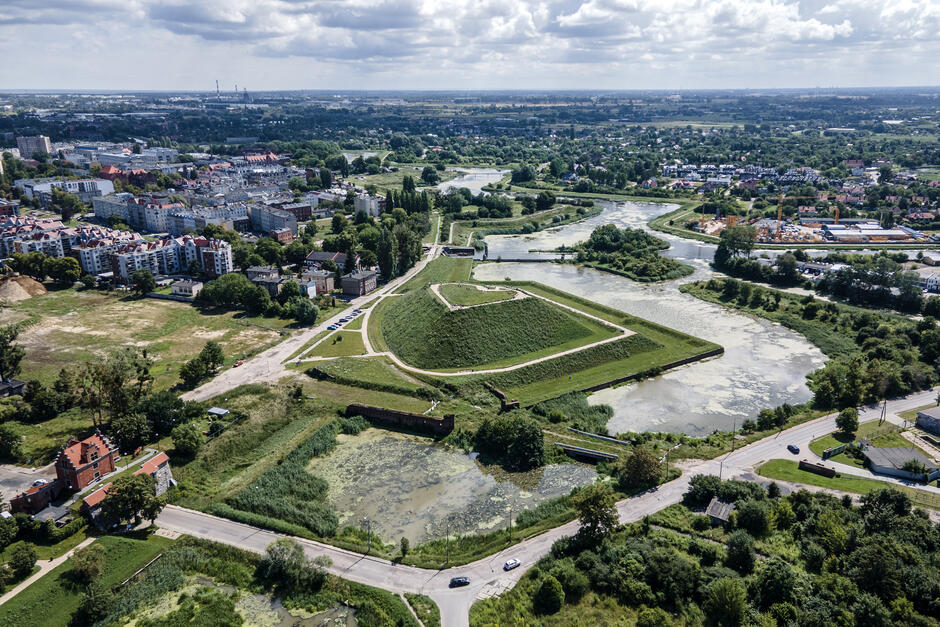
(340, 344)
(371, 373)
(652, 347)
(355, 324)
(466, 230)
(53, 599)
(469, 295)
(71, 326)
(421, 331)
(788, 470)
(426, 609)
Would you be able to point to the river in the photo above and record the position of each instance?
(764, 363)
(474, 179)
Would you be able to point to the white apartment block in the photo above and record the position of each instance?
(31, 145)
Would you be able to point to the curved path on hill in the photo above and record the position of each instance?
(370, 352)
(486, 575)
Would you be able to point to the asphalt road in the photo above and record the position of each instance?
(486, 575)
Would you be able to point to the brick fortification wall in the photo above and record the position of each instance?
(403, 419)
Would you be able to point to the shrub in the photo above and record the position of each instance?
(740, 552)
(514, 439)
(549, 597)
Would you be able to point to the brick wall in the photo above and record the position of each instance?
(403, 419)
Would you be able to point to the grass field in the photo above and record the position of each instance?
(340, 344)
(787, 470)
(369, 370)
(74, 326)
(392, 180)
(466, 295)
(441, 270)
(464, 229)
(355, 324)
(421, 331)
(426, 609)
(53, 599)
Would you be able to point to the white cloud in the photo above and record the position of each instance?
(474, 43)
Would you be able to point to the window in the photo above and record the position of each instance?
(95, 465)
(97, 475)
(93, 454)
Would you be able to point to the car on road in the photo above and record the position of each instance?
(793, 448)
(333, 327)
(458, 582)
(510, 564)
(238, 363)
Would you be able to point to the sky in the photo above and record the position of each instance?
(467, 44)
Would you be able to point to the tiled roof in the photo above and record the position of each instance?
(150, 466)
(96, 497)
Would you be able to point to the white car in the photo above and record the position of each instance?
(513, 563)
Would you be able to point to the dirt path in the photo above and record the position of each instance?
(436, 289)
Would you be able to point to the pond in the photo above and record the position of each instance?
(406, 486)
(764, 363)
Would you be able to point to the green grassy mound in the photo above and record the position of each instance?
(424, 333)
(468, 295)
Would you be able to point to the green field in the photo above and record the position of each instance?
(420, 330)
(376, 371)
(72, 326)
(883, 436)
(53, 599)
(440, 270)
(467, 295)
(787, 470)
(340, 344)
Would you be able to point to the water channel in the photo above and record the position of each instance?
(764, 363)
(474, 179)
(406, 486)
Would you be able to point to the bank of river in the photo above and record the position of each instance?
(407, 486)
(764, 364)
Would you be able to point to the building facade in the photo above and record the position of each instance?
(82, 462)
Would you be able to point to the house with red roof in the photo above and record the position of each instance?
(158, 467)
(83, 462)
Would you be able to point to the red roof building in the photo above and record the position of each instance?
(82, 462)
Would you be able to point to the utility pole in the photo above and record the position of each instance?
(447, 544)
(368, 525)
(510, 523)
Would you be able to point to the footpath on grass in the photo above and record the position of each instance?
(44, 567)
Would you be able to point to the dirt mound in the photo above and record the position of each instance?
(17, 288)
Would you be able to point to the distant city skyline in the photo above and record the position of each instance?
(479, 44)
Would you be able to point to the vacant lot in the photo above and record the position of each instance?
(70, 326)
(340, 344)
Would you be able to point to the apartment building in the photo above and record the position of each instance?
(29, 146)
(266, 219)
(86, 189)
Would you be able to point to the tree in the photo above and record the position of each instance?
(64, 270)
(326, 178)
(754, 517)
(10, 354)
(549, 597)
(10, 442)
(97, 601)
(740, 552)
(726, 602)
(639, 470)
(212, 355)
(115, 383)
(738, 239)
(193, 371)
(405, 547)
(284, 562)
(305, 311)
(143, 282)
(597, 509)
(131, 431)
(88, 281)
(387, 252)
(132, 497)
(164, 410)
(544, 201)
(87, 564)
(289, 292)
(847, 420)
(22, 560)
(187, 439)
(429, 175)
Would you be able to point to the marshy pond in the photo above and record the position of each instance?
(407, 486)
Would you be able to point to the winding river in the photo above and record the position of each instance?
(764, 363)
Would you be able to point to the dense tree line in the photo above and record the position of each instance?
(630, 251)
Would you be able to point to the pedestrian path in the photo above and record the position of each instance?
(44, 567)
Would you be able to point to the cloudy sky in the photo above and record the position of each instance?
(467, 44)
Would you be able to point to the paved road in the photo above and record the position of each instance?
(269, 365)
(486, 575)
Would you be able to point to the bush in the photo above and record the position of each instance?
(514, 439)
(549, 597)
(740, 552)
(22, 560)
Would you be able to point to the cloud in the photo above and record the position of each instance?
(521, 42)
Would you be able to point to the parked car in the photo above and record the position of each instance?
(457, 582)
(510, 564)
(793, 448)
(333, 327)
(238, 363)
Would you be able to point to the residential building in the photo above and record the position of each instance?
(359, 282)
(83, 462)
(372, 205)
(273, 284)
(173, 256)
(86, 189)
(158, 467)
(316, 258)
(321, 280)
(29, 146)
(267, 219)
(12, 387)
(929, 420)
(8, 208)
(255, 272)
(36, 498)
(282, 235)
(187, 289)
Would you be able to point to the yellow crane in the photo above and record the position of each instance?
(780, 210)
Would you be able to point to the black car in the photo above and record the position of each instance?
(457, 582)
(793, 448)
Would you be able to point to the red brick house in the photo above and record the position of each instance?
(83, 462)
(36, 498)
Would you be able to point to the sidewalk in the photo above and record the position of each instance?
(44, 567)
